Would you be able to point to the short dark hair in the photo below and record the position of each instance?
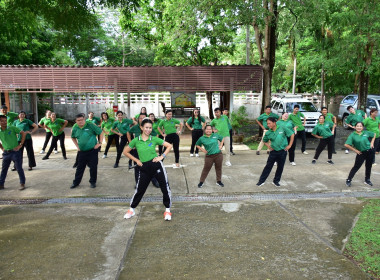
(324, 108)
(151, 114)
(322, 116)
(168, 111)
(3, 117)
(225, 109)
(271, 119)
(22, 112)
(118, 112)
(207, 125)
(80, 115)
(143, 114)
(268, 106)
(296, 106)
(146, 121)
(373, 110)
(4, 107)
(217, 109)
(349, 107)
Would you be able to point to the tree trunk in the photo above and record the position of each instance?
(267, 49)
(209, 102)
(267, 83)
(363, 90)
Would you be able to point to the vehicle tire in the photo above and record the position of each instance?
(344, 122)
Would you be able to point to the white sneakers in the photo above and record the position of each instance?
(346, 151)
(104, 156)
(56, 152)
(191, 155)
(167, 216)
(130, 213)
(305, 153)
(228, 163)
(293, 163)
(196, 155)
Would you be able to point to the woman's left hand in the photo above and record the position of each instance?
(157, 159)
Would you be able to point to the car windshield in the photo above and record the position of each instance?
(351, 99)
(304, 107)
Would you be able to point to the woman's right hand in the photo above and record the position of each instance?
(139, 163)
(358, 152)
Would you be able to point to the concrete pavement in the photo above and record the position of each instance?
(49, 231)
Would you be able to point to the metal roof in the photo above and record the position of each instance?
(48, 78)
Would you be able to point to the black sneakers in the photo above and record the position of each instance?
(368, 182)
(330, 161)
(277, 184)
(313, 161)
(220, 184)
(200, 185)
(348, 183)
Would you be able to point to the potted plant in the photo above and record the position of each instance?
(238, 120)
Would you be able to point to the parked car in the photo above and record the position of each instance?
(373, 101)
(285, 104)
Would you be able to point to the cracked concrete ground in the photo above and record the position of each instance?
(247, 239)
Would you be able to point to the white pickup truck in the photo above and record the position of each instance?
(285, 104)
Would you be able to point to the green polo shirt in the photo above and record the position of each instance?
(155, 131)
(86, 136)
(288, 124)
(11, 117)
(43, 121)
(146, 149)
(107, 125)
(372, 125)
(278, 138)
(135, 130)
(25, 125)
(95, 120)
(353, 119)
(360, 141)
(221, 125)
(329, 118)
(8, 137)
(296, 119)
(122, 126)
(323, 130)
(169, 125)
(263, 118)
(55, 126)
(211, 143)
(197, 122)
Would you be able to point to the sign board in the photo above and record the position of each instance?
(183, 99)
(115, 108)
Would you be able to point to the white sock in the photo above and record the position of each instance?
(167, 210)
(133, 209)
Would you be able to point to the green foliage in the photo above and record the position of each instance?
(182, 32)
(239, 119)
(364, 243)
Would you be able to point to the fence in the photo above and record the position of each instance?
(68, 105)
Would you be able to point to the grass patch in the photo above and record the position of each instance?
(253, 144)
(364, 244)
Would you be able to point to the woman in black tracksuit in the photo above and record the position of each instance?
(150, 166)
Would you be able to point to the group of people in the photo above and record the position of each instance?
(137, 139)
(280, 138)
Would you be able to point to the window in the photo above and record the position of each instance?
(371, 103)
(304, 107)
(275, 106)
(351, 99)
